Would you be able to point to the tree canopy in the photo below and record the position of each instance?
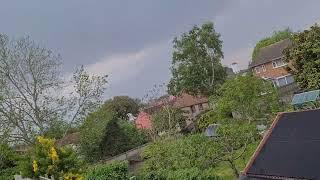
(103, 135)
(196, 62)
(167, 120)
(189, 157)
(304, 58)
(196, 156)
(32, 91)
(275, 37)
(122, 106)
(245, 97)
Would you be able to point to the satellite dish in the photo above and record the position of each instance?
(211, 130)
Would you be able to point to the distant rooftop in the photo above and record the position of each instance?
(271, 52)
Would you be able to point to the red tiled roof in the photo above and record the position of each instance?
(186, 100)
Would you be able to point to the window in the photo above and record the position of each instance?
(193, 109)
(278, 63)
(257, 69)
(290, 79)
(282, 81)
(285, 80)
(260, 69)
(200, 106)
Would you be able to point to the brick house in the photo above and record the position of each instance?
(191, 105)
(269, 64)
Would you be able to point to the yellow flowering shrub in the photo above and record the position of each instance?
(53, 155)
(47, 159)
(71, 176)
(35, 166)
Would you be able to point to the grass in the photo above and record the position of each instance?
(224, 170)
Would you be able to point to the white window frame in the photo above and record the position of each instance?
(257, 69)
(275, 65)
(280, 77)
(263, 68)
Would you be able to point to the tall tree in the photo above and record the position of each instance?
(168, 119)
(304, 58)
(196, 64)
(103, 135)
(31, 90)
(233, 139)
(247, 97)
(122, 106)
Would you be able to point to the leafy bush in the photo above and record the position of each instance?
(8, 162)
(116, 170)
(205, 119)
(171, 157)
(46, 159)
(196, 156)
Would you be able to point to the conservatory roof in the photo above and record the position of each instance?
(309, 96)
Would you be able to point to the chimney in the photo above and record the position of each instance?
(235, 68)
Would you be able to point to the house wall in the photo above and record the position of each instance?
(286, 92)
(271, 71)
(190, 114)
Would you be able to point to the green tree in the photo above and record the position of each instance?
(247, 97)
(171, 158)
(122, 106)
(168, 119)
(233, 139)
(197, 156)
(120, 136)
(275, 37)
(196, 64)
(104, 135)
(92, 132)
(32, 90)
(304, 58)
(8, 162)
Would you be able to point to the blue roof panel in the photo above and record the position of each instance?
(309, 96)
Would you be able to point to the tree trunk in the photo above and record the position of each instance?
(234, 168)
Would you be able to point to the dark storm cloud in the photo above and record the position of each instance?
(131, 40)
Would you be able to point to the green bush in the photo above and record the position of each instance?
(171, 157)
(114, 171)
(47, 159)
(8, 173)
(8, 162)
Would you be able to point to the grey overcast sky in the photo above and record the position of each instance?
(131, 40)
